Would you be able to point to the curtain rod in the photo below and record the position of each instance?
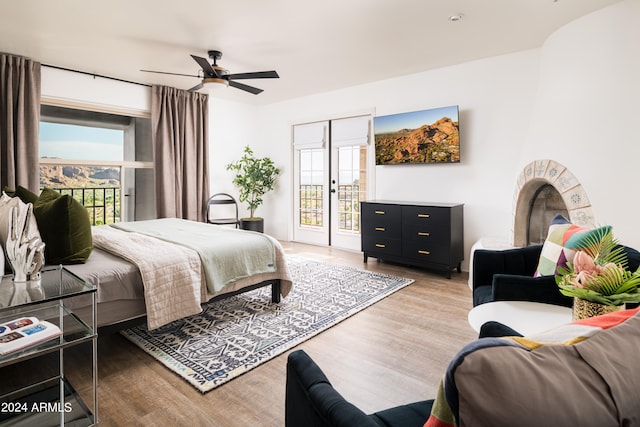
(95, 75)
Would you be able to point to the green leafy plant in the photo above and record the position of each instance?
(255, 177)
(599, 271)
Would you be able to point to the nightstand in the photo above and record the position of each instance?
(50, 399)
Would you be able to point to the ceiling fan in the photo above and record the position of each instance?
(213, 73)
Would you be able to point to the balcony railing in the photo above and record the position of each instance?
(102, 203)
(311, 206)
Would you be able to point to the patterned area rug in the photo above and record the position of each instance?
(234, 335)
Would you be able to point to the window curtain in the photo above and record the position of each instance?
(310, 135)
(180, 129)
(19, 122)
(350, 132)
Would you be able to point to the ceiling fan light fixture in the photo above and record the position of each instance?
(208, 80)
(215, 74)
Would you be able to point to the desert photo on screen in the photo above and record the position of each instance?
(427, 136)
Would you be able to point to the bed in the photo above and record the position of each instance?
(164, 269)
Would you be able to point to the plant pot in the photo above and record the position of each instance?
(583, 309)
(252, 224)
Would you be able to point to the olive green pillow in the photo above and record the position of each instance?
(65, 228)
(26, 195)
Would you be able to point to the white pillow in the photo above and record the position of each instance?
(6, 204)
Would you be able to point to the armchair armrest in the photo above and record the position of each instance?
(507, 287)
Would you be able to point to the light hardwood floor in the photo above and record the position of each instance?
(392, 353)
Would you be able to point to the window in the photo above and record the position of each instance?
(97, 158)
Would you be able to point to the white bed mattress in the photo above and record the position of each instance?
(120, 293)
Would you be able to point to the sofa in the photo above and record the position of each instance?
(582, 374)
(508, 275)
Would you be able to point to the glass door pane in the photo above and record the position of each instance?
(310, 183)
(351, 185)
(311, 188)
(349, 180)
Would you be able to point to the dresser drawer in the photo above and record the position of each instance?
(427, 217)
(426, 252)
(382, 228)
(431, 234)
(380, 219)
(381, 246)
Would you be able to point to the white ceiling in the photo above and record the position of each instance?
(315, 46)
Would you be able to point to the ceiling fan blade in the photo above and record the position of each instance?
(171, 74)
(196, 87)
(206, 67)
(255, 75)
(250, 89)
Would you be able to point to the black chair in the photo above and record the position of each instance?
(507, 275)
(311, 401)
(220, 199)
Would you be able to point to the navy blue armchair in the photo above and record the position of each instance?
(311, 401)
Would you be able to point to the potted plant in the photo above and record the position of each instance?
(255, 177)
(598, 279)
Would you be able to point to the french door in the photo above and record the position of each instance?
(331, 164)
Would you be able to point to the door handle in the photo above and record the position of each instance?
(333, 190)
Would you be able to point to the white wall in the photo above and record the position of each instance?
(587, 111)
(232, 126)
(103, 94)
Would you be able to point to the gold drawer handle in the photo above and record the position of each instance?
(424, 216)
(379, 228)
(380, 212)
(380, 245)
(424, 252)
(422, 233)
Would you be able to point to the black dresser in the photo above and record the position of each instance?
(420, 234)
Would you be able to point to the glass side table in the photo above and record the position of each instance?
(51, 400)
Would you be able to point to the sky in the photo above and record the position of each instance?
(413, 120)
(80, 142)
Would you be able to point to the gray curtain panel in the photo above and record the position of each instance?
(19, 122)
(179, 123)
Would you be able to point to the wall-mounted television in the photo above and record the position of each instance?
(426, 136)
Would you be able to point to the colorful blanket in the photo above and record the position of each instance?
(582, 373)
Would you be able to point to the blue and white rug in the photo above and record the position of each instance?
(236, 334)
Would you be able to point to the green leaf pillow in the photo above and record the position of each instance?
(65, 228)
